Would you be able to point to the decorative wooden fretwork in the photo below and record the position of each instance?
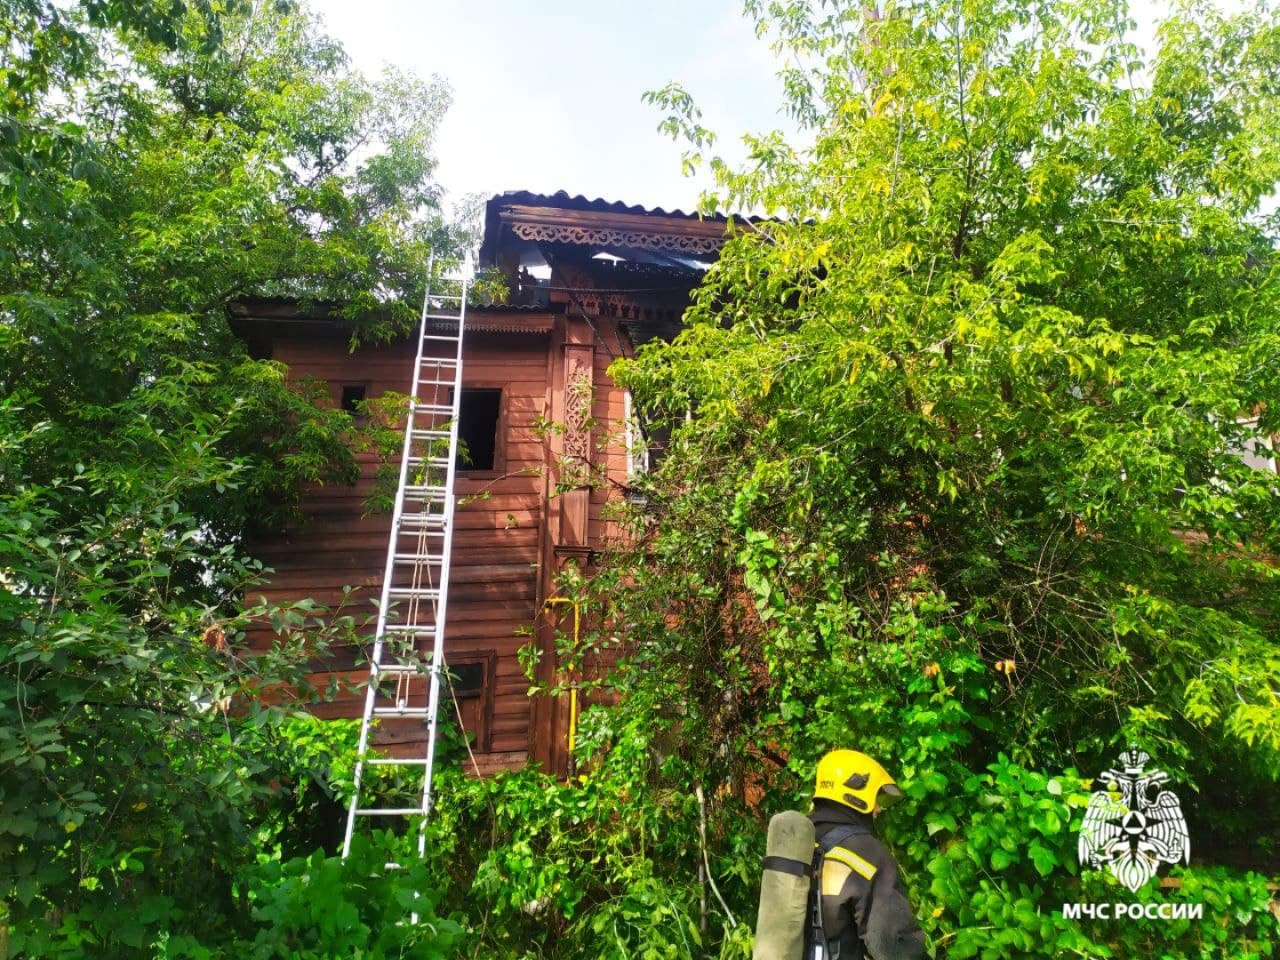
(605, 237)
(644, 306)
(577, 409)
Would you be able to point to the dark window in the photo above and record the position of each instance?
(352, 396)
(471, 685)
(468, 678)
(657, 442)
(478, 428)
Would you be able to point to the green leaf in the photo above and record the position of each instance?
(1045, 860)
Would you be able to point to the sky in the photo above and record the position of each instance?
(547, 94)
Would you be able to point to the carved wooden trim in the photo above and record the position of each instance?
(608, 237)
(577, 407)
(677, 224)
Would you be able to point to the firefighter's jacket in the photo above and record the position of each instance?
(865, 909)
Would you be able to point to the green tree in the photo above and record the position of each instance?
(959, 482)
(158, 164)
(158, 161)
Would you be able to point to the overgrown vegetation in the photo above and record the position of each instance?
(959, 485)
(158, 161)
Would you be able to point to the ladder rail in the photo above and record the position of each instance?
(423, 557)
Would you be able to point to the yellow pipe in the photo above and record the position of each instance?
(573, 687)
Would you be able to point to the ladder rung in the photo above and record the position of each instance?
(397, 761)
(416, 558)
(441, 462)
(389, 811)
(441, 361)
(431, 521)
(410, 712)
(422, 524)
(413, 629)
(436, 383)
(430, 434)
(421, 491)
(453, 338)
(446, 296)
(409, 593)
(394, 669)
(424, 489)
(443, 409)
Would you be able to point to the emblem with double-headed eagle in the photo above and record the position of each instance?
(1126, 830)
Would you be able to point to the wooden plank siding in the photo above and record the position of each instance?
(494, 582)
(510, 533)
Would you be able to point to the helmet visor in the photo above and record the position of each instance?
(889, 795)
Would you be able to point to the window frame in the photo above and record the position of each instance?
(487, 659)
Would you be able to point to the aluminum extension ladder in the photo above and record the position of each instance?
(415, 585)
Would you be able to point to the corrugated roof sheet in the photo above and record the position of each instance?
(563, 200)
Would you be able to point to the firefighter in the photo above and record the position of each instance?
(863, 911)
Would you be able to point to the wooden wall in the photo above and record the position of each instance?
(509, 540)
(493, 594)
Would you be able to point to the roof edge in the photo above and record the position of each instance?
(563, 218)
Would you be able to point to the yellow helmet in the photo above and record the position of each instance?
(855, 780)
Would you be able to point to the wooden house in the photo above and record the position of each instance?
(589, 281)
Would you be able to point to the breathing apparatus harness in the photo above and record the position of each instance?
(816, 944)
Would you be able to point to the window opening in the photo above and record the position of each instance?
(1255, 448)
(471, 684)
(478, 428)
(352, 397)
(633, 438)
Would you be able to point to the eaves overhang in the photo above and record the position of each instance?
(319, 318)
(561, 219)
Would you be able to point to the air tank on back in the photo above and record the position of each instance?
(784, 888)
